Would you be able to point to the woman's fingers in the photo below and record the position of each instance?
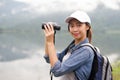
(51, 27)
(49, 33)
(48, 29)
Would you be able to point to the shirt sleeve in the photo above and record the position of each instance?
(59, 55)
(77, 59)
(46, 57)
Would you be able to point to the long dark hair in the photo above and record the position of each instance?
(89, 32)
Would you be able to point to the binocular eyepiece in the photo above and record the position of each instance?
(55, 26)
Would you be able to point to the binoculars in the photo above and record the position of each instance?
(55, 26)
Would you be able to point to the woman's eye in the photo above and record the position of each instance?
(71, 26)
(79, 25)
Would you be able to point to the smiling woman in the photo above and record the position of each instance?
(74, 62)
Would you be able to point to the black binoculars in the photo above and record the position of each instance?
(55, 26)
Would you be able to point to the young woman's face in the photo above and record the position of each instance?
(77, 29)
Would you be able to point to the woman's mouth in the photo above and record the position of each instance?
(75, 34)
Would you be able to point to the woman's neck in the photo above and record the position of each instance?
(77, 41)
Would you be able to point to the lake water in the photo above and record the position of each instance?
(21, 55)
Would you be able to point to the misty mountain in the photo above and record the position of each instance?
(27, 25)
(12, 15)
(103, 17)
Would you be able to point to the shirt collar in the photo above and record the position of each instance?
(73, 46)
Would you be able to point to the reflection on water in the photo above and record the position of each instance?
(21, 59)
(13, 47)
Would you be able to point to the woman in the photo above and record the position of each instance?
(75, 62)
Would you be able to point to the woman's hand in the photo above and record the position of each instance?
(49, 33)
(49, 44)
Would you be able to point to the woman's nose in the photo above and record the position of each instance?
(75, 28)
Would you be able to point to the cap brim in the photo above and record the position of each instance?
(68, 19)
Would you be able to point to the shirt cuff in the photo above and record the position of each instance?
(56, 67)
(47, 58)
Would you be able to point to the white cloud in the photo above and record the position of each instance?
(25, 69)
(1, 4)
(46, 6)
(3, 15)
(114, 4)
(30, 68)
(62, 5)
(13, 11)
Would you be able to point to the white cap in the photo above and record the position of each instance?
(80, 16)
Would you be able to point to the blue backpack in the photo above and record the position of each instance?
(101, 67)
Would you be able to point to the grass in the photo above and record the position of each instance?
(116, 71)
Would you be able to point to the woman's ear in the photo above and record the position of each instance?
(87, 27)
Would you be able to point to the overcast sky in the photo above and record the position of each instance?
(48, 6)
(68, 5)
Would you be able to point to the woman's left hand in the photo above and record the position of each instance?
(49, 33)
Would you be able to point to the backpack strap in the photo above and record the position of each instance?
(104, 68)
(95, 61)
(95, 49)
(107, 69)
